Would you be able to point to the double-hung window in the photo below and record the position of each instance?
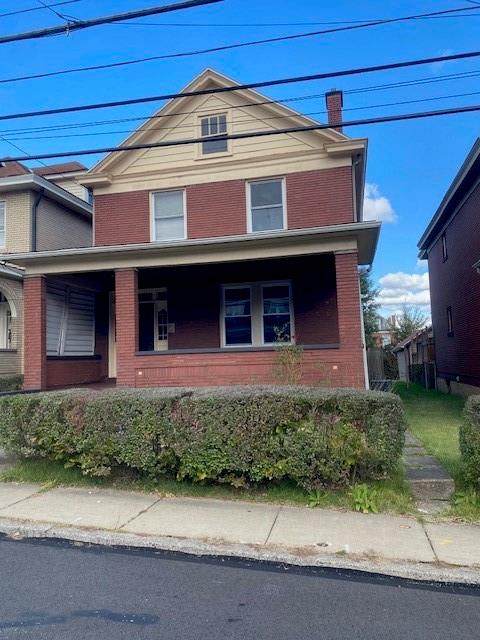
(2, 224)
(211, 127)
(237, 303)
(276, 302)
(266, 205)
(169, 215)
(257, 314)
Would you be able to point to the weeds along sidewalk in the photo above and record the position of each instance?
(385, 543)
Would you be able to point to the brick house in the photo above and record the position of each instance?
(206, 255)
(35, 215)
(451, 243)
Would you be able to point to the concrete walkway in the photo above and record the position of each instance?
(431, 485)
(308, 536)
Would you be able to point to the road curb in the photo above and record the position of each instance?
(299, 557)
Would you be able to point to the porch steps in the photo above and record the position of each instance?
(431, 485)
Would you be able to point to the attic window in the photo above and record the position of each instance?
(211, 128)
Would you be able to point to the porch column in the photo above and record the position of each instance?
(350, 320)
(35, 333)
(126, 321)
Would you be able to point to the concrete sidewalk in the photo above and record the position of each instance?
(389, 544)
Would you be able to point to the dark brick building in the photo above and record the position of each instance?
(451, 243)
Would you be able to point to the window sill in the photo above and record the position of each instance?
(8, 350)
(213, 156)
(306, 347)
(96, 356)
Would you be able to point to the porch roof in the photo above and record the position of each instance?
(359, 236)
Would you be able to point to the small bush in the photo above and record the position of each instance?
(470, 441)
(236, 435)
(11, 383)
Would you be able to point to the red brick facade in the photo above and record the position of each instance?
(454, 283)
(35, 332)
(314, 199)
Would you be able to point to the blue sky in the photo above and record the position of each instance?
(410, 165)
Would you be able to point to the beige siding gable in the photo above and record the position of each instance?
(18, 206)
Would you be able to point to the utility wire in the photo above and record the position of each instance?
(283, 117)
(94, 22)
(312, 96)
(249, 135)
(53, 10)
(216, 49)
(239, 87)
(47, 6)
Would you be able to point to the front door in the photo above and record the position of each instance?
(161, 325)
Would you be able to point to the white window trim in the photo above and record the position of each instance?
(4, 244)
(199, 155)
(249, 203)
(156, 303)
(256, 313)
(222, 315)
(288, 284)
(152, 215)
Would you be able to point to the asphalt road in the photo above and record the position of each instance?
(56, 590)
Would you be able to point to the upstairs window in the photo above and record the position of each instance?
(2, 224)
(266, 205)
(211, 127)
(169, 215)
(444, 247)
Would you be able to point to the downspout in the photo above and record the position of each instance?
(36, 202)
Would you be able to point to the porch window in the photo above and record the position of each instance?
(257, 314)
(266, 205)
(211, 127)
(169, 215)
(5, 323)
(2, 224)
(238, 319)
(70, 321)
(276, 313)
(153, 319)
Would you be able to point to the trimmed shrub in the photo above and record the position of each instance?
(11, 383)
(470, 441)
(235, 435)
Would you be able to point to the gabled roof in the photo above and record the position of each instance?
(64, 167)
(469, 171)
(211, 79)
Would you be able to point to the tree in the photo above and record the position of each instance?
(411, 320)
(369, 294)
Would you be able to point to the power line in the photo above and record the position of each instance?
(94, 22)
(368, 89)
(53, 10)
(239, 87)
(283, 117)
(216, 49)
(252, 134)
(57, 4)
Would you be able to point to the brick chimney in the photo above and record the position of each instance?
(334, 101)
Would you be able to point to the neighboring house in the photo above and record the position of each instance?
(206, 256)
(451, 243)
(385, 335)
(35, 215)
(416, 350)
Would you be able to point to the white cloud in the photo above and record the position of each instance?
(398, 289)
(376, 206)
(422, 265)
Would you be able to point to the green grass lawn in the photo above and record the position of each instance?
(434, 418)
(391, 495)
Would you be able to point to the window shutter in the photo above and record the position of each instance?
(70, 321)
(55, 312)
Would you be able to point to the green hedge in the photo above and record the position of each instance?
(11, 383)
(470, 441)
(236, 435)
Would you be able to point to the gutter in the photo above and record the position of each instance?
(36, 202)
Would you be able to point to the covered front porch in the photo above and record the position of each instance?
(198, 325)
